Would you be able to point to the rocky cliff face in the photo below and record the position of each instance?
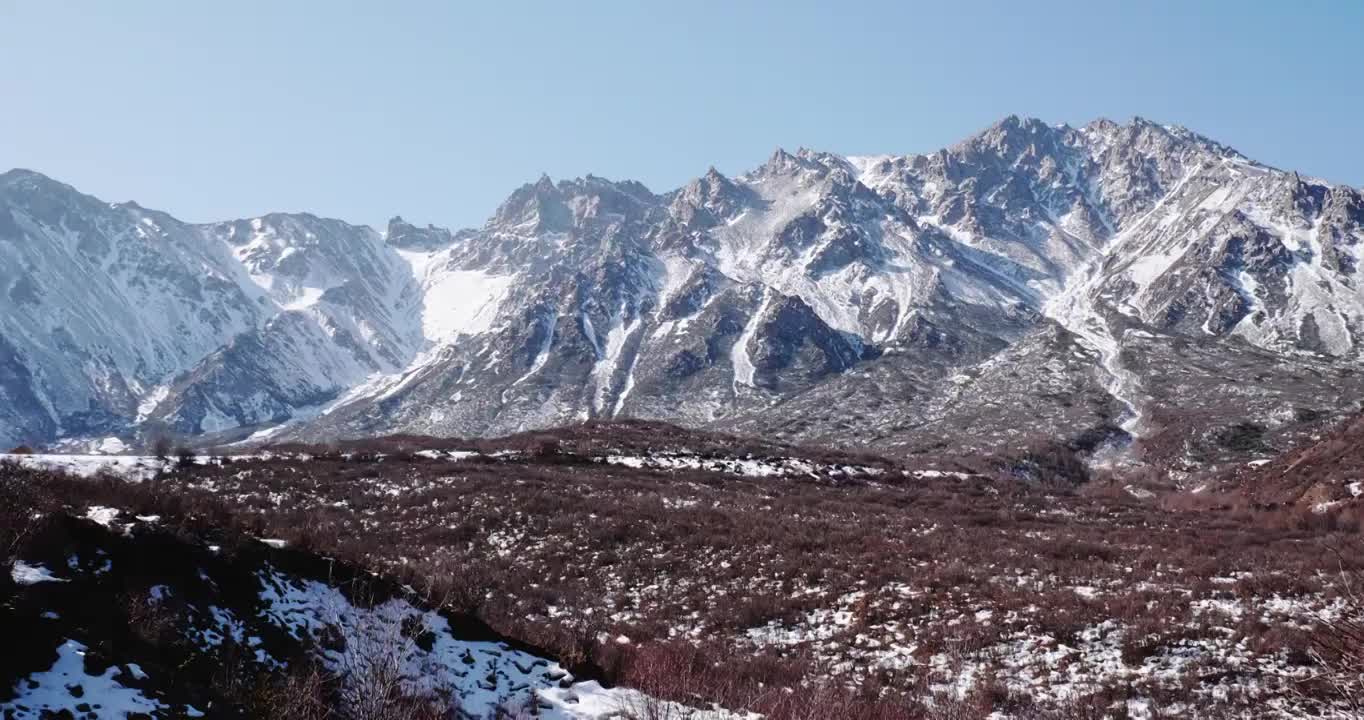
(1034, 280)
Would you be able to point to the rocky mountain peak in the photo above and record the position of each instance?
(535, 207)
(708, 200)
(782, 300)
(1009, 135)
(404, 235)
(30, 178)
(783, 163)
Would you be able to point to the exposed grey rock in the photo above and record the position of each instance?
(1031, 281)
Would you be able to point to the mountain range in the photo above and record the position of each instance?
(1129, 290)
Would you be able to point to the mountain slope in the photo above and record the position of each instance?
(1027, 282)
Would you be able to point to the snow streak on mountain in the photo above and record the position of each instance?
(1089, 285)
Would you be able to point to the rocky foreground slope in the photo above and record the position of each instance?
(107, 613)
(1084, 285)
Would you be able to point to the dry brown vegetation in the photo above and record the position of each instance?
(817, 596)
(154, 593)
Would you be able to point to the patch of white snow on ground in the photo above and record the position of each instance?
(1139, 493)
(934, 474)
(133, 467)
(24, 574)
(112, 446)
(50, 692)
(103, 515)
(747, 467)
(483, 675)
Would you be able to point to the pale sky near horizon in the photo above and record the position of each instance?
(438, 110)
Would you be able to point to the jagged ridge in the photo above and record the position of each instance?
(891, 284)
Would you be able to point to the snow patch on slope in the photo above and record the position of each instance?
(605, 368)
(742, 362)
(483, 675)
(136, 467)
(455, 302)
(50, 692)
(23, 573)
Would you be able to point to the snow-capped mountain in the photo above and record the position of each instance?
(119, 317)
(1032, 281)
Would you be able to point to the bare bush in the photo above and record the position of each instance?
(638, 706)
(301, 694)
(161, 447)
(22, 502)
(377, 675)
(1337, 649)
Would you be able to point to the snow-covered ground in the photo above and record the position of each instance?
(133, 467)
(67, 690)
(143, 467)
(483, 675)
(25, 574)
(484, 678)
(747, 467)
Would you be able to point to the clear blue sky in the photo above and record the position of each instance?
(437, 110)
